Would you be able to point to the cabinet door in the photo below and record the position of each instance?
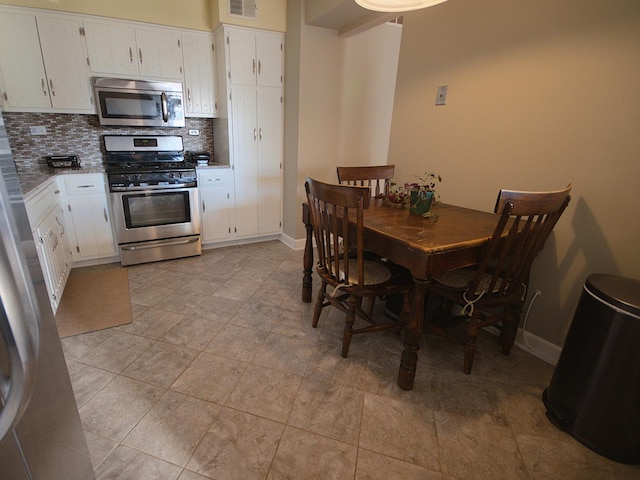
(244, 144)
(199, 78)
(270, 54)
(270, 153)
(65, 64)
(87, 212)
(22, 71)
(111, 48)
(243, 64)
(53, 254)
(159, 53)
(215, 189)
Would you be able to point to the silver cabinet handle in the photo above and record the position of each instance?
(53, 90)
(255, 133)
(203, 207)
(189, 95)
(85, 186)
(254, 66)
(19, 325)
(140, 54)
(104, 211)
(44, 87)
(259, 67)
(260, 133)
(130, 55)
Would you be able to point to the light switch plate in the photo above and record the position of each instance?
(441, 96)
(38, 130)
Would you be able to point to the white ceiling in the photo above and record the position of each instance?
(345, 16)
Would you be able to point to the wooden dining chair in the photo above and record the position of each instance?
(493, 292)
(376, 177)
(337, 213)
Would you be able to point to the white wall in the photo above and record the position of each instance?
(343, 100)
(540, 94)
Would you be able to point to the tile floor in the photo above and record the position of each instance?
(220, 376)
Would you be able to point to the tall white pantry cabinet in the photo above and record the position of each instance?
(251, 123)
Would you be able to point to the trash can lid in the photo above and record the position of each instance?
(621, 292)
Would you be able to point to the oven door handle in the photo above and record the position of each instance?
(187, 241)
(154, 187)
(165, 110)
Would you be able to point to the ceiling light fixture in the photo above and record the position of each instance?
(397, 5)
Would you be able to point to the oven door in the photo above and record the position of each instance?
(155, 214)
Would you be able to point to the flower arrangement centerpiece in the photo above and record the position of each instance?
(421, 194)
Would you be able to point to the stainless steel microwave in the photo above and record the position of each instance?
(138, 103)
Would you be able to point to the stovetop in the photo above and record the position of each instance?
(134, 161)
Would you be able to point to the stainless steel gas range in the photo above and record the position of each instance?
(154, 198)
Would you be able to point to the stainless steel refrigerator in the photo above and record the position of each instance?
(41, 435)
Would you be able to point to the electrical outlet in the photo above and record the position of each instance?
(38, 130)
(441, 95)
(194, 132)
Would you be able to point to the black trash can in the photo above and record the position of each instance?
(594, 394)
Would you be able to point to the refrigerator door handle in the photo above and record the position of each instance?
(19, 322)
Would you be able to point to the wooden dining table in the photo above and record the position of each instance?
(427, 247)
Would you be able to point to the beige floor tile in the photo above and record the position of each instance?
(161, 364)
(87, 381)
(99, 447)
(117, 352)
(474, 449)
(76, 346)
(126, 464)
(285, 353)
(265, 392)
(210, 377)
(400, 429)
(327, 365)
(330, 410)
(257, 316)
(238, 446)
(193, 332)
(173, 427)
(116, 409)
(154, 323)
(306, 456)
(374, 466)
(238, 343)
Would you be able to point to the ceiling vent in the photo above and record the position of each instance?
(243, 8)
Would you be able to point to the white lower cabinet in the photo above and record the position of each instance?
(86, 208)
(215, 187)
(51, 238)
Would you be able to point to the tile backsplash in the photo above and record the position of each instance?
(81, 135)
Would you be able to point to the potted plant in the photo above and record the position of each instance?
(422, 194)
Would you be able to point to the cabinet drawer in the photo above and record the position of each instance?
(214, 178)
(40, 201)
(84, 184)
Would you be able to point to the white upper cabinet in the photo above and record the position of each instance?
(111, 48)
(43, 64)
(121, 49)
(255, 58)
(199, 57)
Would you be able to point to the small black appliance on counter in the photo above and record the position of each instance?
(63, 161)
(199, 158)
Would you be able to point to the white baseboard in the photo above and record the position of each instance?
(293, 243)
(536, 346)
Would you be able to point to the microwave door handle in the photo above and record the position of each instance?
(165, 111)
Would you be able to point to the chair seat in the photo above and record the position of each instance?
(375, 272)
(461, 278)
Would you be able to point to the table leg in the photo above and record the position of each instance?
(307, 279)
(412, 336)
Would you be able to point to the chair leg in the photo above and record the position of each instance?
(318, 308)
(352, 303)
(470, 344)
(509, 327)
